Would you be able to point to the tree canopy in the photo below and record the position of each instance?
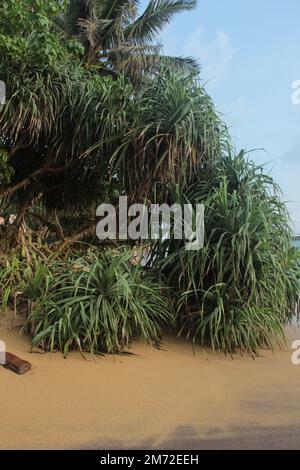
(94, 110)
(68, 124)
(118, 38)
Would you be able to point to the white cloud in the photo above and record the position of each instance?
(292, 155)
(214, 55)
(236, 112)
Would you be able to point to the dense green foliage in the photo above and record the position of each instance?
(243, 286)
(27, 35)
(70, 124)
(24, 273)
(94, 110)
(174, 135)
(98, 303)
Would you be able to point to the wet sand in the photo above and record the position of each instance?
(155, 399)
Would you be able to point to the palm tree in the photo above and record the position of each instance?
(117, 38)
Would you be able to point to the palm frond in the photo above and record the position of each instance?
(112, 30)
(156, 16)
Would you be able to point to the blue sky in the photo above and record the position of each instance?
(249, 51)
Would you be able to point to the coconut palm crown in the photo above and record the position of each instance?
(118, 38)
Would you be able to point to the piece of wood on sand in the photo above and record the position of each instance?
(17, 365)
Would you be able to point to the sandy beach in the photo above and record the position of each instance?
(168, 398)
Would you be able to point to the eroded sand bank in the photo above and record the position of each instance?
(159, 399)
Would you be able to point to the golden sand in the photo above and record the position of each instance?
(144, 399)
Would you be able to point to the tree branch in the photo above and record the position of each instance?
(52, 227)
(24, 183)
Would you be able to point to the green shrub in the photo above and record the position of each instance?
(25, 273)
(98, 303)
(243, 286)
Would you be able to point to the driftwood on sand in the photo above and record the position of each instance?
(17, 365)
